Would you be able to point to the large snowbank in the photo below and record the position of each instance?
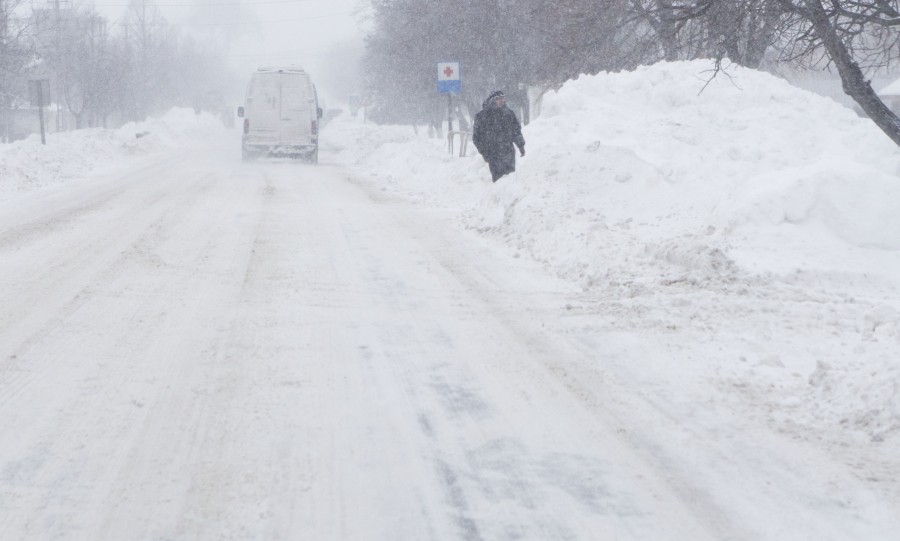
(27, 164)
(737, 161)
(746, 231)
(750, 227)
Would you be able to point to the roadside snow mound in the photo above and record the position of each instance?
(177, 128)
(404, 161)
(27, 165)
(664, 162)
(691, 160)
(751, 226)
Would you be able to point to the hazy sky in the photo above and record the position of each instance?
(323, 36)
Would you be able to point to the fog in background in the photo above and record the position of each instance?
(323, 36)
(109, 62)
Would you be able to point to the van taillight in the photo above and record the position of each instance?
(246, 125)
(314, 127)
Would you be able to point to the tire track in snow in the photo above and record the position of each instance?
(477, 454)
(59, 289)
(115, 285)
(41, 223)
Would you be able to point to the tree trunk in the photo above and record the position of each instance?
(526, 106)
(852, 78)
(666, 31)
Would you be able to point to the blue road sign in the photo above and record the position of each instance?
(448, 81)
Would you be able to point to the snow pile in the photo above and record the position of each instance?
(405, 162)
(27, 164)
(739, 215)
(666, 151)
(744, 151)
(177, 128)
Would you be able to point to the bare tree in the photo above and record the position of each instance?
(501, 44)
(665, 22)
(856, 36)
(84, 69)
(742, 30)
(15, 53)
(853, 36)
(578, 36)
(151, 45)
(146, 68)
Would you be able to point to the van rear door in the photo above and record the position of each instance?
(265, 93)
(296, 107)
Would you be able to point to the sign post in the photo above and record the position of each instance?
(449, 82)
(39, 93)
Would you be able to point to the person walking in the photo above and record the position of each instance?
(496, 131)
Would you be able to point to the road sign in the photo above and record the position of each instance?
(448, 79)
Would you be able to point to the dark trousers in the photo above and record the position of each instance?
(502, 165)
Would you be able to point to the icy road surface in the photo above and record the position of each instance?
(198, 349)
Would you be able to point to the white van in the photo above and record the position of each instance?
(281, 115)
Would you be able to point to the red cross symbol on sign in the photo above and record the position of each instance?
(448, 71)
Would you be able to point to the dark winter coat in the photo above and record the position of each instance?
(496, 131)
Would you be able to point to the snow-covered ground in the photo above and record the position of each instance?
(735, 242)
(749, 230)
(28, 165)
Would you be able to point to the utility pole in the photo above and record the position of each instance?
(40, 102)
(60, 118)
(36, 91)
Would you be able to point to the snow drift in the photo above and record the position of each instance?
(27, 165)
(747, 228)
(747, 221)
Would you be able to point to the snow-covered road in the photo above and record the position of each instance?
(201, 349)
